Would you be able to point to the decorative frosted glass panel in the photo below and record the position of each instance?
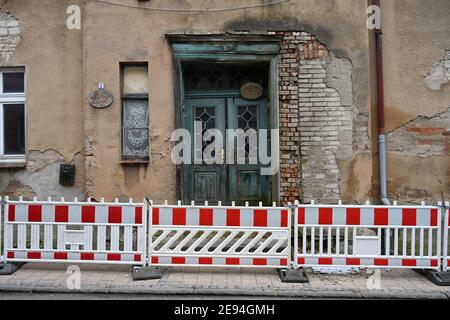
(207, 116)
(248, 120)
(135, 79)
(135, 128)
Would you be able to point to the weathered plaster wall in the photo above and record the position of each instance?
(330, 21)
(41, 177)
(421, 145)
(63, 66)
(52, 56)
(416, 37)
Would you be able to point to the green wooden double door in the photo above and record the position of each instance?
(227, 181)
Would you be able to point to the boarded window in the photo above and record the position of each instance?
(135, 113)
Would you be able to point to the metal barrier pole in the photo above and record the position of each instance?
(296, 234)
(1, 230)
(446, 226)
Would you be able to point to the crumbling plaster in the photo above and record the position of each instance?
(415, 34)
(10, 36)
(421, 146)
(52, 57)
(333, 132)
(439, 73)
(41, 177)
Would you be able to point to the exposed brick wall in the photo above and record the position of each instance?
(422, 137)
(10, 35)
(316, 125)
(289, 63)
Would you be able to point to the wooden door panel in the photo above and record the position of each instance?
(246, 181)
(228, 182)
(204, 182)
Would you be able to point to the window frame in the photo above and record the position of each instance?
(127, 159)
(12, 98)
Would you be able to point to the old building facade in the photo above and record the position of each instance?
(166, 64)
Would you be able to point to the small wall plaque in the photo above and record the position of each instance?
(100, 98)
(251, 91)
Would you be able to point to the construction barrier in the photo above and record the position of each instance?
(413, 237)
(446, 248)
(219, 236)
(368, 236)
(75, 232)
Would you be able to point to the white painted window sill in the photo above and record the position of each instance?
(13, 162)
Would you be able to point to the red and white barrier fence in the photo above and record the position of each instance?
(75, 232)
(414, 237)
(219, 236)
(368, 236)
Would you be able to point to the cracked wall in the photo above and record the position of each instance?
(420, 146)
(417, 95)
(74, 63)
(41, 177)
(36, 37)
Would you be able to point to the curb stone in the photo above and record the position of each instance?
(305, 293)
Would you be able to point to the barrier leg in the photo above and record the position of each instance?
(439, 278)
(293, 276)
(146, 273)
(9, 268)
(6, 268)
(442, 278)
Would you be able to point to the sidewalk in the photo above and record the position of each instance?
(46, 278)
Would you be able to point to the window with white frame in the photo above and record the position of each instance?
(12, 113)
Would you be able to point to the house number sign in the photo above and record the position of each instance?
(100, 98)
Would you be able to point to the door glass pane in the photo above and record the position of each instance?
(224, 77)
(13, 82)
(248, 120)
(206, 115)
(14, 128)
(135, 128)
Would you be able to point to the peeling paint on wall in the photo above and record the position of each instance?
(439, 73)
(326, 121)
(41, 177)
(418, 155)
(10, 36)
(423, 137)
